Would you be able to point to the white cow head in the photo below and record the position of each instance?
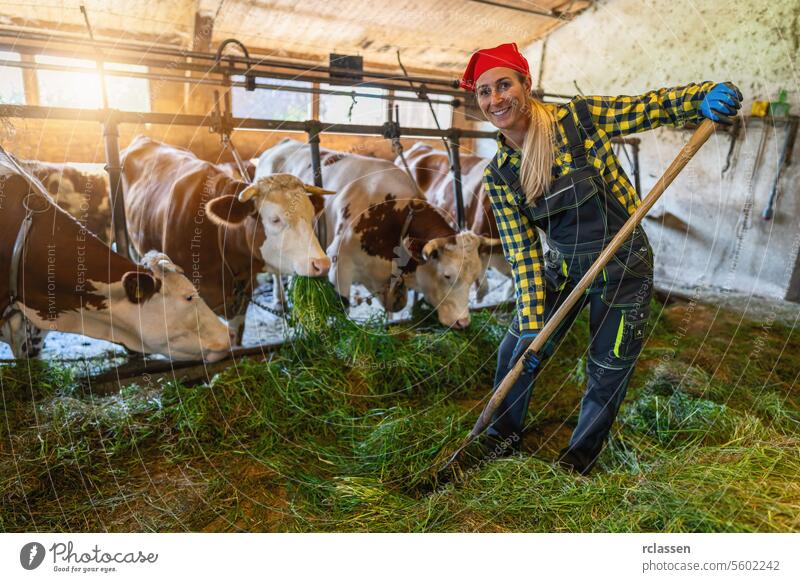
(449, 268)
(286, 209)
(158, 310)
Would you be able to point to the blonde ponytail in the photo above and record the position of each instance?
(537, 151)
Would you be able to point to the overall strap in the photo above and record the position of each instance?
(574, 138)
(505, 175)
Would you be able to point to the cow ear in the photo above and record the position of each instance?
(140, 286)
(488, 245)
(318, 200)
(228, 211)
(430, 252)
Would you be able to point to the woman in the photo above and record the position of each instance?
(555, 169)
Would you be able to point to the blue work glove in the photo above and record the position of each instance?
(722, 103)
(529, 361)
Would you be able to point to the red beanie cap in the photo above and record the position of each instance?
(505, 55)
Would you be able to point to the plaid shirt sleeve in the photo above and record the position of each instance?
(626, 114)
(523, 252)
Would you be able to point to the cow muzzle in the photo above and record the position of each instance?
(319, 267)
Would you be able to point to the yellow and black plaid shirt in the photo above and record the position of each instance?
(612, 117)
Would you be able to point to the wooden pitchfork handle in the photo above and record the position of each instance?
(699, 137)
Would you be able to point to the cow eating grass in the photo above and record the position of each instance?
(220, 230)
(68, 280)
(383, 235)
(431, 170)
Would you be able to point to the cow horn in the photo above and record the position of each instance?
(248, 193)
(317, 190)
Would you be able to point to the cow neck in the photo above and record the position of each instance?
(239, 242)
(429, 224)
(17, 257)
(242, 282)
(422, 224)
(37, 277)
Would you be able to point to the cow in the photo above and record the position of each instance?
(382, 234)
(220, 230)
(83, 194)
(232, 169)
(58, 276)
(431, 170)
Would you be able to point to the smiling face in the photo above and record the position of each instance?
(503, 99)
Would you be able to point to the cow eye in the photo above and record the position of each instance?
(275, 220)
(189, 297)
(448, 277)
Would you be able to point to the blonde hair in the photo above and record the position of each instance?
(537, 151)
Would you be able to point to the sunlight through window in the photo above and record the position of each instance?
(12, 91)
(82, 90)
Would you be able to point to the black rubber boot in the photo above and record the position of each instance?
(575, 461)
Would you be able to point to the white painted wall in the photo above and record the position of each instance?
(631, 46)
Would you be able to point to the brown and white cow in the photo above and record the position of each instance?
(82, 193)
(369, 232)
(431, 170)
(69, 281)
(232, 169)
(221, 231)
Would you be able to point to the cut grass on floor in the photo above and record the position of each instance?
(338, 431)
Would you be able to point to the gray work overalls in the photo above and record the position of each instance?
(580, 216)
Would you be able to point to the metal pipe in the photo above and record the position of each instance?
(115, 191)
(223, 69)
(532, 11)
(134, 117)
(783, 160)
(313, 129)
(444, 87)
(636, 172)
(111, 139)
(197, 55)
(75, 114)
(455, 158)
(200, 81)
(99, 60)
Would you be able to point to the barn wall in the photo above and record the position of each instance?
(631, 46)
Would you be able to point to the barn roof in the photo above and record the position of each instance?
(433, 35)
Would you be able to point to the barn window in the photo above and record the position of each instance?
(418, 113)
(12, 91)
(343, 109)
(272, 103)
(82, 89)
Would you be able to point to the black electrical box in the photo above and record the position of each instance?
(346, 67)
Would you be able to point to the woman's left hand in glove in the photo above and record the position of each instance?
(722, 103)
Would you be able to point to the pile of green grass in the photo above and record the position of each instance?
(339, 431)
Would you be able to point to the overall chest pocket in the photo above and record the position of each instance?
(573, 212)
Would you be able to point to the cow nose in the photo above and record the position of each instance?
(320, 266)
(462, 323)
